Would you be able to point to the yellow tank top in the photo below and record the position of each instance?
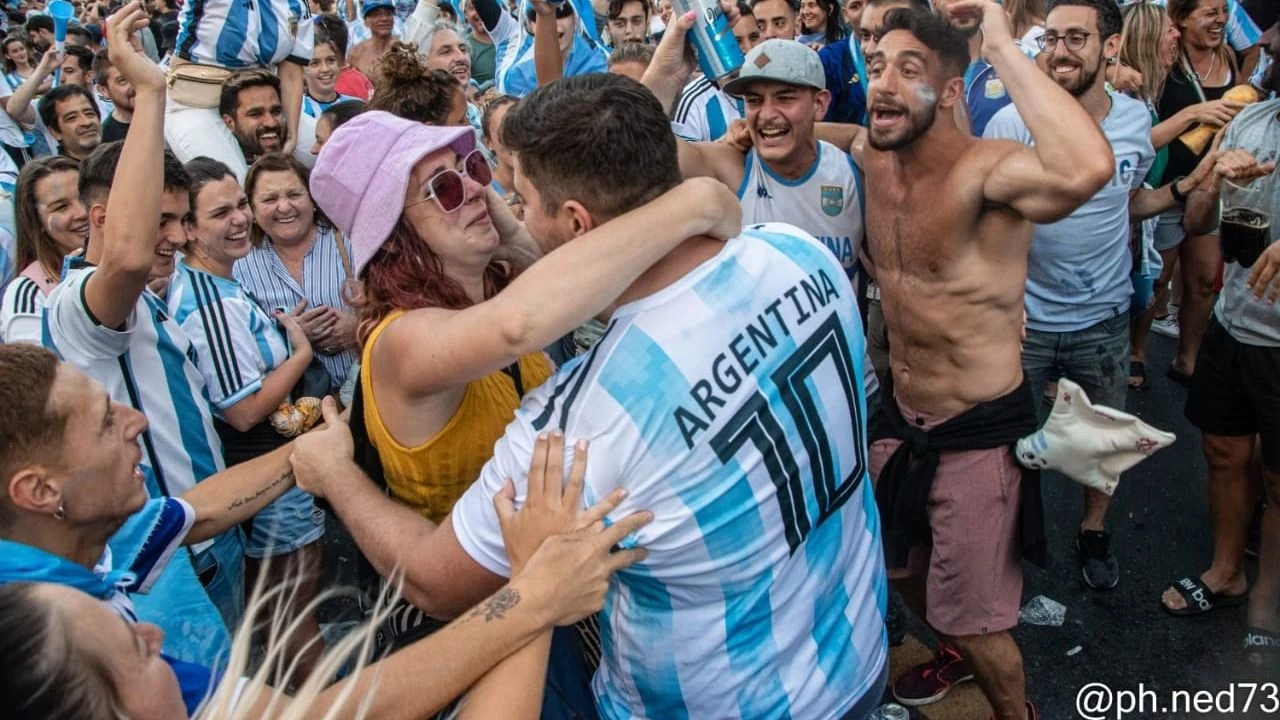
(432, 476)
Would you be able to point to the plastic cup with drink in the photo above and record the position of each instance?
(1246, 219)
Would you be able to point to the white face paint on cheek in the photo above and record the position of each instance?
(926, 95)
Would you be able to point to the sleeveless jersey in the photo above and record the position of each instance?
(826, 202)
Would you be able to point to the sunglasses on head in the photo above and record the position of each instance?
(448, 188)
(563, 10)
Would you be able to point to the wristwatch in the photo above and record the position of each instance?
(1178, 197)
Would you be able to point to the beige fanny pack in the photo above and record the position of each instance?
(195, 85)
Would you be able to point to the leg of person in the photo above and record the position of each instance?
(1039, 360)
(1219, 405)
(285, 545)
(1095, 359)
(1262, 368)
(1168, 236)
(195, 132)
(1200, 257)
(220, 567)
(1142, 324)
(975, 572)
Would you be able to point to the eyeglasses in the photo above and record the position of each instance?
(447, 187)
(1075, 40)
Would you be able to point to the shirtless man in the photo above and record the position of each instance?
(380, 18)
(949, 223)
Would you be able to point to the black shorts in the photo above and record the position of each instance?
(1235, 391)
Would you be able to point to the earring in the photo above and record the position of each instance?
(61, 512)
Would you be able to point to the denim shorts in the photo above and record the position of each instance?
(291, 522)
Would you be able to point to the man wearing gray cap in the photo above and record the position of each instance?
(788, 175)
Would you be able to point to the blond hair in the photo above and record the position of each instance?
(1140, 43)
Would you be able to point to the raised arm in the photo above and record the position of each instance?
(19, 104)
(1071, 159)
(291, 89)
(548, 64)
(666, 76)
(570, 285)
(132, 218)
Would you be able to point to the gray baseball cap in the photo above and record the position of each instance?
(784, 61)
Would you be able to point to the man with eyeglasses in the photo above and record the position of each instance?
(1078, 286)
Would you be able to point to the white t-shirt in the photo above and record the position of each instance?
(1078, 270)
(730, 405)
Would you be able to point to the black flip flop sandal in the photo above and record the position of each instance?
(1200, 599)
(1262, 648)
(1138, 369)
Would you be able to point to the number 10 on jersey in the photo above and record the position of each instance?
(755, 423)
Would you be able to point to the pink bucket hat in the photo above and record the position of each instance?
(363, 172)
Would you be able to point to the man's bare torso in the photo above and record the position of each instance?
(952, 271)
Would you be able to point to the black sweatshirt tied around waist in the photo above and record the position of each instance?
(902, 490)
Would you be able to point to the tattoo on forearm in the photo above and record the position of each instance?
(286, 476)
(497, 606)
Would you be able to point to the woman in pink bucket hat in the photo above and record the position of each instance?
(453, 312)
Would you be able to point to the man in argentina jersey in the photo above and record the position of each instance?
(703, 112)
(725, 396)
(788, 175)
(103, 320)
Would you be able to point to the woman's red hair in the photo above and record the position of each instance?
(405, 274)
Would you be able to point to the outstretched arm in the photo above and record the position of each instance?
(1071, 159)
(548, 64)
(132, 218)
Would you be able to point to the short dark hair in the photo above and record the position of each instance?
(36, 23)
(336, 31)
(49, 103)
(921, 4)
(744, 8)
(229, 102)
(1109, 20)
(101, 64)
(98, 172)
(934, 32)
(566, 153)
(490, 109)
(83, 56)
(340, 113)
(79, 32)
(615, 7)
(793, 4)
(201, 171)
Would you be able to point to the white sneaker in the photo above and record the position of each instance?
(1167, 325)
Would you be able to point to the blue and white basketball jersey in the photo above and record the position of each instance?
(703, 112)
(167, 521)
(730, 405)
(826, 202)
(236, 342)
(237, 34)
(150, 366)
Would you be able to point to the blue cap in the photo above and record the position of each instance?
(368, 6)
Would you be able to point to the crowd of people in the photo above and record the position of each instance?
(639, 391)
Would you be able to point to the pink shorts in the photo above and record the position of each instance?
(974, 568)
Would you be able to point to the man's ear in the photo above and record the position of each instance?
(31, 489)
(952, 92)
(230, 122)
(98, 215)
(582, 221)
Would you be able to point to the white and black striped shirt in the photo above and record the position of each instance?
(21, 312)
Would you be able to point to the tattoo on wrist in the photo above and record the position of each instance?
(286, 476)
(497, 606)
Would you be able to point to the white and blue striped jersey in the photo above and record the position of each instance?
(312, 107)
(148, 365)
(237, 343)
(825, 202)
(22, 312)
(728, 404)
(239, 34)
(703, 112)
(168, 521)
